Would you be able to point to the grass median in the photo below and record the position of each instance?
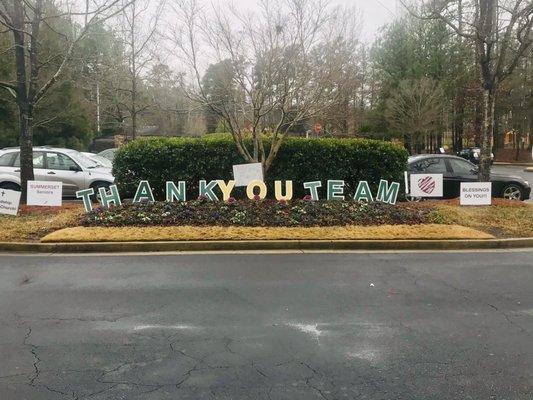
(33, 223)
(172, 233)
(446, 220)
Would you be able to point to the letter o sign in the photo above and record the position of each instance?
(256, 184)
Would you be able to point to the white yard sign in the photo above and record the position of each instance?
(9, 202)
(243, 174)
(45, 193)
(476, 193)
(426, 185)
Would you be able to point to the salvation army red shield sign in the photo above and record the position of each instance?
(426, 185)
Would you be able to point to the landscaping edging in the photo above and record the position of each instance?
(517, 164)
(126, 247)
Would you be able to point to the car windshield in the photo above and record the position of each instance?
(104, 162)
(109, 154)
(84, 160)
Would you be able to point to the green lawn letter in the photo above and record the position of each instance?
(363, 192)
(85, 195)
(112, 197)
(335, 190)
(179, 193)
(207, 190)
(144, 191)
(388, 194)
(313, 188)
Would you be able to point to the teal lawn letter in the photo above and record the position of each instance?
(144, 191)
(388, 194)
(207, 190)
(363, 192)
(313, 188)
(107, 198)
(335, 190)
(85, 195)
(179, 193)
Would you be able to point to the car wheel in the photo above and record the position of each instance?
(96, 196)
(513, 192)
(10, 186)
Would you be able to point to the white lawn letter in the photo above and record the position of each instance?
(288, 191)
(252, 185)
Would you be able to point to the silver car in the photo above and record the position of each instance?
(76, 171)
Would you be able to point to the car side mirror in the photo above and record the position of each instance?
(74, 168)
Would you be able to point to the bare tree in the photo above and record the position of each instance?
(280, 62)
(501, 32)
(139, 26)
(415, 109)
(24, 20)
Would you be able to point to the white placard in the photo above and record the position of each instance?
(243, 174)
(9, 202)
(426, 185)
(45, 193)
(476, 193)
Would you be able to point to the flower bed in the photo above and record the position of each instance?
(272, 213)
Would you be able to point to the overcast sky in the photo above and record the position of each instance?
(375, 13)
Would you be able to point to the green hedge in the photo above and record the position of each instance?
(211, 157)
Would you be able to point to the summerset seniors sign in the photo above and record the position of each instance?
(283, 190)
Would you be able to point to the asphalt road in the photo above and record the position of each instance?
(274, 326)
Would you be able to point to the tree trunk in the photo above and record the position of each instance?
(478, 120)
(26, 153)
(25, 114)
(518, 138)
(134, 109)
(530, 147)
(487, 135)
(133, 125)
(458, 123)
(133, 74)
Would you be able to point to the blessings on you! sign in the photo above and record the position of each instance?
(386, 193)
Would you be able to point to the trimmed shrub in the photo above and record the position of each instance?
(211, 157)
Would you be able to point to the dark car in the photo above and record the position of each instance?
(473, 154)
(456, 170)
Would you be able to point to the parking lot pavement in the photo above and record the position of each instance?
(440, 326)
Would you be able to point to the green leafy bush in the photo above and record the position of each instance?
(211, 157)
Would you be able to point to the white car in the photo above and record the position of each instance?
(76, 171)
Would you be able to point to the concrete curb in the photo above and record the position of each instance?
(127, 247)
(519, 164)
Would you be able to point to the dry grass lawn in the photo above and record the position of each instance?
(505, 219)
(513, 219)
(35, 222)
(393, 232)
